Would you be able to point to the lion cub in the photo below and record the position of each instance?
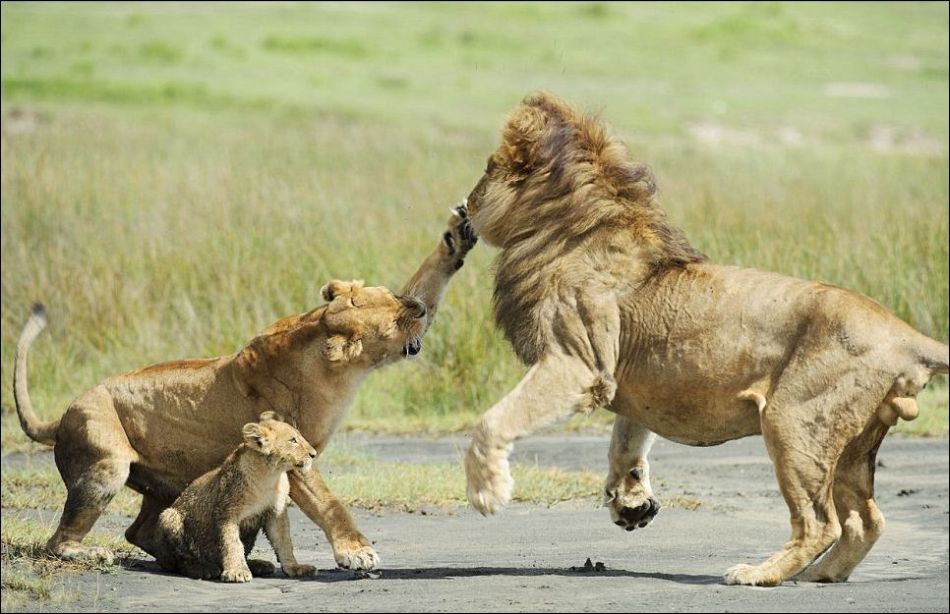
(210, 528)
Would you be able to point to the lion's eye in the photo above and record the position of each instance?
(293, 440)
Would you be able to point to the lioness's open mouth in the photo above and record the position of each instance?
(412, 347)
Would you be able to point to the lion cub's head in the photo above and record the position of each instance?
(282, 444)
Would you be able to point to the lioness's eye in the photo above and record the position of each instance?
(293, 440)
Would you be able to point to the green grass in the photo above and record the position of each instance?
(31, 575)
(175, 180)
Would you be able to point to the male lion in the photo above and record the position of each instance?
(611, 306)
(158, 428)
(210, 528)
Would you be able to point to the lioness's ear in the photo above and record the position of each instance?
(338, 348)
(257, 436)
(335, 288)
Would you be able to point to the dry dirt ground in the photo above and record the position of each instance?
(531, 558)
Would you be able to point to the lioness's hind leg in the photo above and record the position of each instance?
(87, 497)
(862, 523)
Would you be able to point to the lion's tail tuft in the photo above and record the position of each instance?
(42, 432)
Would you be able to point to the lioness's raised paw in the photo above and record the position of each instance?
(460, 237)
(360, 558)
(489, 479)
(298, 570)
(751, 575)
(236, 575)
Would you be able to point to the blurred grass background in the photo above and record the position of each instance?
(176, 176)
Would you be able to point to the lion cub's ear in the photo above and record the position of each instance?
(270, 416)
(335, 288)
(258, 437)
(340, 349)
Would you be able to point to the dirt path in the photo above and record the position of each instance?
(523, 559)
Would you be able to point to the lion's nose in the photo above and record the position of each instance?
(313, 453)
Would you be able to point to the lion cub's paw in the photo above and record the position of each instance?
(298, 570)
(750, 575)
(236, 575)
(362, 558)
(489, 479)
(260, 567)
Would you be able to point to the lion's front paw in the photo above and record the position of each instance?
(236, 575)
(489, 478)
(460, 237)
(751, 575)
(299, 571)
(358, 558)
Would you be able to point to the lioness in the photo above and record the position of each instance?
(158, 428)
(612, 307)
(210, 528)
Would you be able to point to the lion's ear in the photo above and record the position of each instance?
(336, 287)
(522, 135)
(341, 349)
(258, 436)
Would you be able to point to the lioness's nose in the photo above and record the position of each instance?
(313, 453)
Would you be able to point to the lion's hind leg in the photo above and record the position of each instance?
(805, 440)
(861, 520)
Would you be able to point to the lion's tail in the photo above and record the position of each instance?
(42, 432)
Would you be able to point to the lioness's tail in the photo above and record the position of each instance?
(43, 432)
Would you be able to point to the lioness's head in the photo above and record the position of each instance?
(555, 167)
(358, 329)
(282, 444)
(371, 326)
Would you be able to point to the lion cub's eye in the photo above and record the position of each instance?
(293, 440)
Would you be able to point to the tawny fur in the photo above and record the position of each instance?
(158, 428)
(210, 528)
(595, 286)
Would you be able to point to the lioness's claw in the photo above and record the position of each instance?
(363, 558)
(460, 236)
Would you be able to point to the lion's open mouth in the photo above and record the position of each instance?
(412, 347)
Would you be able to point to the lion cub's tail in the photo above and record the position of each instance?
(42, 432)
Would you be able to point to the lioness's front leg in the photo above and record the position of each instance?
(429, 282)
(553, 388)
(628, 493)
(350, 548)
